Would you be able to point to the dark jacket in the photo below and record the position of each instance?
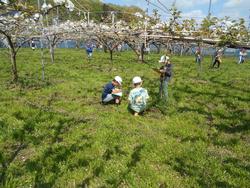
(167, 71)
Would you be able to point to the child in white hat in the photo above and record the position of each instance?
(138, 97)
(111, 92)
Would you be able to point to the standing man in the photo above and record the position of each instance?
(33, 45)
(198, 56)
(166, 74)
(217, 59)
(242, 56)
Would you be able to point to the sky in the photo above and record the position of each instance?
(196, 9)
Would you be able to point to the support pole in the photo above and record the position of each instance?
(113, 18)
(38, 4)
(209, 8)
(88, 17)
(42, 53)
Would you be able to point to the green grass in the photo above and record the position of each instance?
(55, 133)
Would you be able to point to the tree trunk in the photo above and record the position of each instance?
(142, 53)
(141, 57)
(52, 53)
(12, 57)
(138, 54)
(181, 50)
(78, 43)
(133, 47)
(111, 55)
(170, 48)
(173, 48)
(42, 60)
(105, 48)
(158, 48)
(13, 65)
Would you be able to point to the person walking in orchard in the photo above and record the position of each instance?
(33, 45)
(217, 59)
(89, 51)
(242, 56)
(198, 58)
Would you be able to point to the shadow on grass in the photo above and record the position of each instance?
(135, 159)
(235, 114)
(51, 159)
(189, 165)
(29, 82)
(22, 137)
(194, 139)
(237, 167)
(5, 163)
(189, 90)
(230, 85)
(242, 127)
(113, 151)
(226, 127)
(116, 150)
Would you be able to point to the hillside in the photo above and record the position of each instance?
(99, 10)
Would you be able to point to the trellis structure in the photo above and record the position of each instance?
(137, 36)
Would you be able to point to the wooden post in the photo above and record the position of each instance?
(88, 17)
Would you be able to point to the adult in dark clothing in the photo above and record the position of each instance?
(217, 59)
(242, 56)
(33, 45)
(166, 74)
(112, 92)
(198, 57)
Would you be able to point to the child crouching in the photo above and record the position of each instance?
(138, 97)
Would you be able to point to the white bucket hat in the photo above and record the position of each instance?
(118, 79)
(137, 80)
(163, 59)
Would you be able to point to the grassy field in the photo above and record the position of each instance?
(55, 133)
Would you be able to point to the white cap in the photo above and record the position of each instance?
(137, 80)
(118, 79)
(163, 59)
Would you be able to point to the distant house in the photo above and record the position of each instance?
(4, 1)
(10, 12)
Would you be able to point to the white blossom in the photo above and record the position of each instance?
(59, 2)
(139, 15)
(69, 5)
